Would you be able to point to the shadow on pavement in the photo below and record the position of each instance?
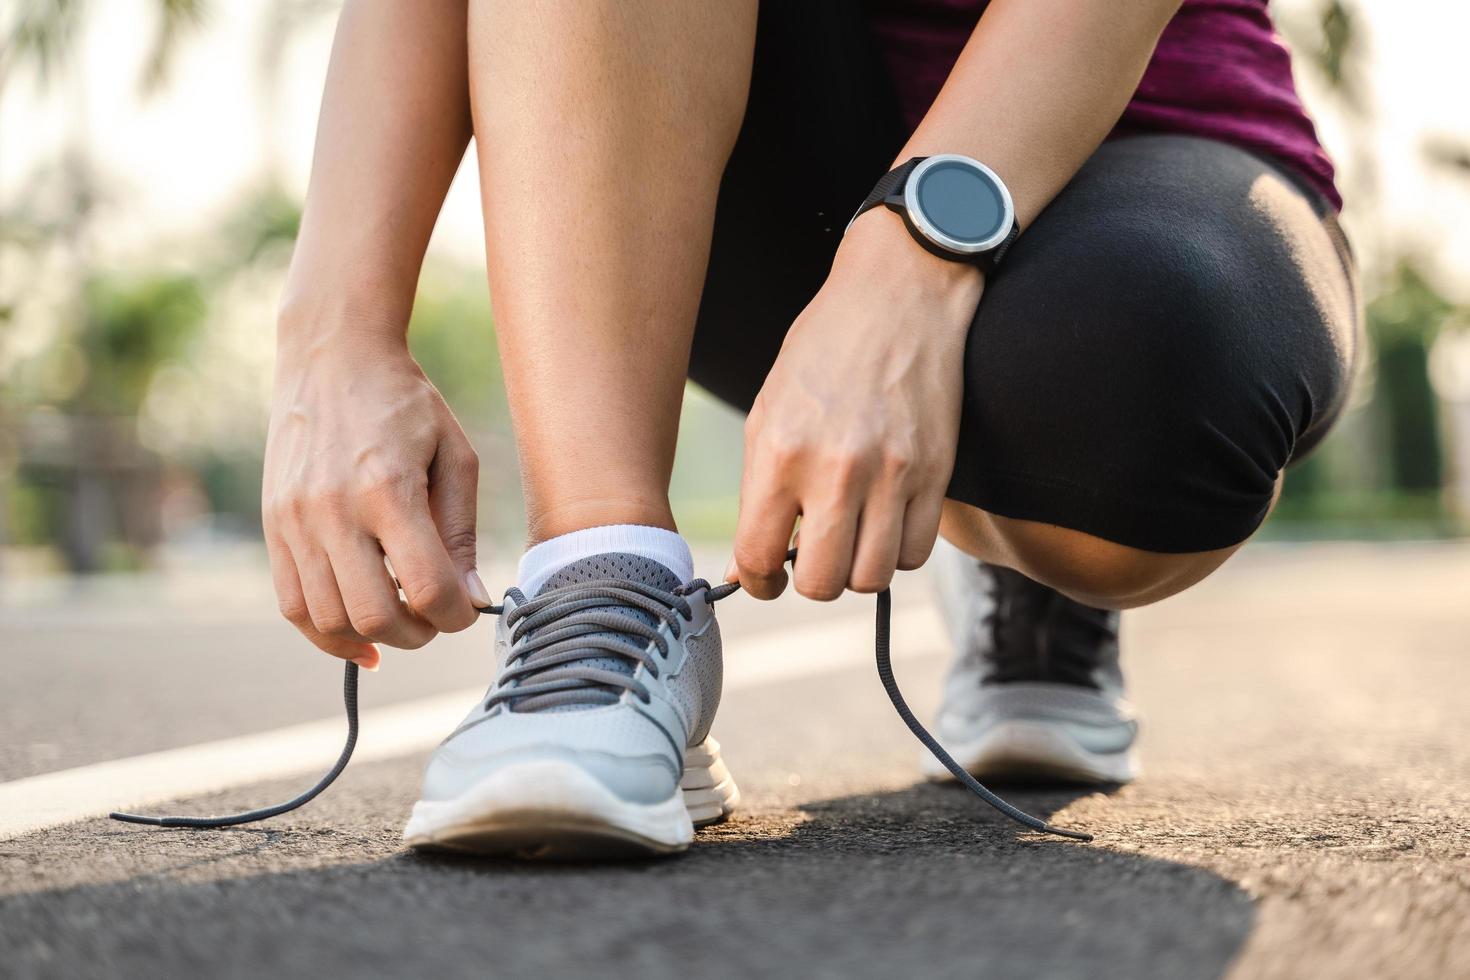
(915, 882)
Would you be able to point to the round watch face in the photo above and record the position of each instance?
(959, 203)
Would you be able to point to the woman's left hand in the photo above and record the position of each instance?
(856, 426)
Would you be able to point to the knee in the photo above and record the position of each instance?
(1142, 326)
(1148, 409)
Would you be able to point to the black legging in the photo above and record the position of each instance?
(1177, 325)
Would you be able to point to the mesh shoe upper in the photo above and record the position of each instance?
(621, 674)
(598, 568)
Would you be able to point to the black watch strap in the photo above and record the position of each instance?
(989, 260)
(887, 184)
(888, 191)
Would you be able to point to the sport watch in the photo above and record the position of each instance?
(955, 207)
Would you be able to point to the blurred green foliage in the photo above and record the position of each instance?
(451, 337)
(1400, 489)
(261, 228)
(1338, 24)
(83, 480)
(42, 33)
(1382, 471)
(1403, 321)
(127, 329)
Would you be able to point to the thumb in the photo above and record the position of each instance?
(454, 481)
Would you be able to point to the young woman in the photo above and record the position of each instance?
(1095, 302)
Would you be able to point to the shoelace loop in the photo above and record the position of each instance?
(570, 625)
(574, 626)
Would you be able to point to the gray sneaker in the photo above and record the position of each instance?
(593, 741)
(1035, 690)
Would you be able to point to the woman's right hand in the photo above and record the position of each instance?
(364, 459)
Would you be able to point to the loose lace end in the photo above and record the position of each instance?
(349, 700)
(881, 631)
(713, 594)
(138, 818)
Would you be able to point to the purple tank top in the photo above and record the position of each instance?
(1220, 71)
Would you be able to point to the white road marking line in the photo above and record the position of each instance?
(55, 798)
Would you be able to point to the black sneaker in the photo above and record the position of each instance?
(1035, 691)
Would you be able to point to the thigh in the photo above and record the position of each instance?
(821, 126)
(1175, 327)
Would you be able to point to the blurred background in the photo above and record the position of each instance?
(153, 159)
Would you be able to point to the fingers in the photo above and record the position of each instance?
(893, 535)
(454, 480)
(828, 534)
(352, 480)
(294, 607)
(879, 539)
(768, 511)
(372, 603)
(920, 530)
(323, 599)
(433, 588)
(841, 546)
(327, 562)
(762, 538)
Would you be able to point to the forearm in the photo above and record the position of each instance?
(395, 120)
(1038, 87)
(1036, 90)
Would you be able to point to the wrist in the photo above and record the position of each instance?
(878, 244)
(322, 320)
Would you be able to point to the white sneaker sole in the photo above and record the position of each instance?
(1034, 750)
(556, 810)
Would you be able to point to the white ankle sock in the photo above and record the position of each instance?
(544, 560)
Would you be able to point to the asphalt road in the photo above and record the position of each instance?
(1303, 812)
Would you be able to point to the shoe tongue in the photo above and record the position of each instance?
(1041, 635)
(609, 566)
(614, 565)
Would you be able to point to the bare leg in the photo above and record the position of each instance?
(602, 127)
(1090, 569)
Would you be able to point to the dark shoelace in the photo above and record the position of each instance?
(713, 594)
(567, 625)
(1038, 634)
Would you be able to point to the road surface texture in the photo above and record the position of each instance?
(1305, 808)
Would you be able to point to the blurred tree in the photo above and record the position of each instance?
(86, 477)
(41, 33)
(1332, 46)
(87, 482)
(1405, 310)
(1335, 57)
(1451, 154)
(1403, 321)
(260, 229)
(129, 329)
(452, 338)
